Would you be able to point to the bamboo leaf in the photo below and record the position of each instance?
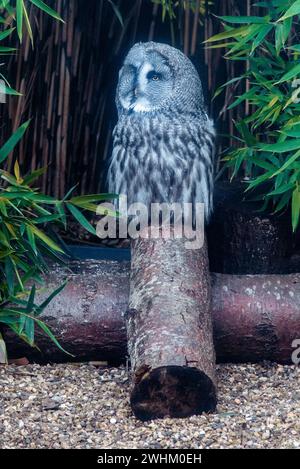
(292, 11)
(27, 23)
(9, 91)
(34, 175)
(5, 34)
(295, 71)
(4, 50)
(49, 333)
(288, 163)
(81, 218)
(17, 172)
(3, 351)
(92, 198)
(48, 241)
(117, 12)
(56, 292)
(19, 17)
(295, 208)
(42, 6)
(288, 145)
(233, 32)
(245, 19)
(12, 141)
(264, 31)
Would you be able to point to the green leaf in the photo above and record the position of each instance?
(244, 131)
(261, 163)
(117, 12)
(264, 31)
(48, 241)
(42, 6)
(81, 218)
(69, 193)
(92, 198)
(56, 292)
(33, 176)
(292, 132)
(219, 46)
(295, 208)
(49, 333)
(41, 198)
(260, 179)
(31, 238)
(10, 91)
(295, 47)
(19, 16)
(288, 163)
(12, 141)
(245, 19)
(283, 202)
(5, 34)
(233, 32)
(292, 11)
(295, 71)
(288, 145)
(281, 189)
(5, 50)
(27, 23)
(46, 219)
(3, 352)
(9, 274)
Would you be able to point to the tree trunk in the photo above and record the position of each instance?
(169, 329)
(244, 240)
(255, 317)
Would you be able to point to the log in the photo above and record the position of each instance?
(86, 317)
(255, 317)
(169, 330)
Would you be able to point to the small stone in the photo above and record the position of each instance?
(67, 406)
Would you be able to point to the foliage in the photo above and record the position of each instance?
(169, 7)
(268, 137)
(26, 216)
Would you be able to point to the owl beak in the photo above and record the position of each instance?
(136, 92)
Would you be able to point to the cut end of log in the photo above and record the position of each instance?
(173, 391)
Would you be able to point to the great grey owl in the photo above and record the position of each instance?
(164, 140)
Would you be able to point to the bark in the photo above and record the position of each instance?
(244, 240)
(255, 317)
(86, 317)
(169, 329)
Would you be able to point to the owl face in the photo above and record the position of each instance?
(159, 80)
(146, 81)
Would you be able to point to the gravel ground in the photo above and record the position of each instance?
(68, 406)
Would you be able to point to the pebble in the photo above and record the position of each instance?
(84, 406)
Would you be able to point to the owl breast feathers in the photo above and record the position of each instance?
(163, 141)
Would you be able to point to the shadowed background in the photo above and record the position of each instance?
(70, 76)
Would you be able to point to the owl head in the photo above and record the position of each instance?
(158, 78)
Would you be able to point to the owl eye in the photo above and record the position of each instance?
(153, 76)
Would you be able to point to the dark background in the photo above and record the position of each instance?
(68, 81)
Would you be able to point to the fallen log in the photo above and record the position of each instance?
(255, 317)
(169, 330)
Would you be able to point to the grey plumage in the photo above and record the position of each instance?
(163, 141)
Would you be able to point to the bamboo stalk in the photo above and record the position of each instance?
(69, 80)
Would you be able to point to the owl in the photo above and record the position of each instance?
(163, 143)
